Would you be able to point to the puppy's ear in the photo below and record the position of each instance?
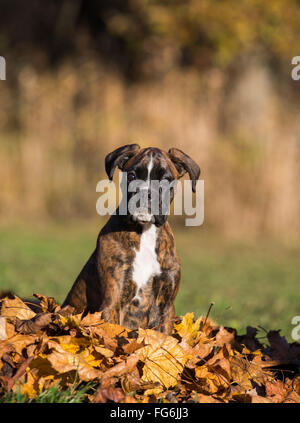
(183, 164)
(119, 157)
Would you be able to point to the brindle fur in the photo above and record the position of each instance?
(105, 283)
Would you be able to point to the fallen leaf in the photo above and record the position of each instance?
(276, 390)
(111, 394)
(257, 399)
(188, 329)
(64, 361)
(210, 381)
(7, 329)
(34, 325)
(163, 358)
(48, 304)
(224, 336)
(16, 308)
(126, 366)
(243, 372)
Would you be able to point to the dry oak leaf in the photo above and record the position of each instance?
(188, 329)
(15, 308)
(163, 357)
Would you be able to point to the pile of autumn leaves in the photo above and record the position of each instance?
(199, 362)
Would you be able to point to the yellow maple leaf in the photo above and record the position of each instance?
(163, 358)
(188, 329)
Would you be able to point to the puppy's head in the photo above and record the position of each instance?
(150, 174)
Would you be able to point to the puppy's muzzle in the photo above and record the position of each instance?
(152, 205)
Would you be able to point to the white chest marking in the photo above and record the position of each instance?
(145, 264)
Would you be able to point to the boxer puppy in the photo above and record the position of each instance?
(133, 275)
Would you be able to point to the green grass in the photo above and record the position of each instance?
(54, 394)
(258, 281)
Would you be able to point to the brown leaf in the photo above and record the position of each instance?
(280, 349)
(21, 342)
(276, 390)
(19, 373)
(197, 353)
(129, 399)
(207, 399)
(126, 366)
(131, 346)
(292, 397)
(210, 380)
(257, 399)
(249, 339)
(66, 311)
(16, 308)
(132, 382)
(65, 357)
(243, 372)
(92, 319)
(111, 394)
(224, 336)
(5, 348)
(34, 325)
(7, 329)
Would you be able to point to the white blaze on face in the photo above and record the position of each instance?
(145, 264)
(150, 166)
(145, 216)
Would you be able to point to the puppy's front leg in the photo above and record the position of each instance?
(86, 294)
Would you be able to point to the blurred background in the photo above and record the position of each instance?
(212, 78)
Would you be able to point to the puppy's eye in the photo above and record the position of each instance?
(130, 176)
